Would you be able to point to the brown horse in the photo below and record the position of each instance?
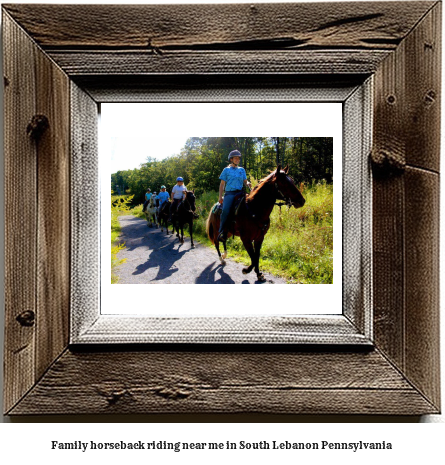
(251, 221)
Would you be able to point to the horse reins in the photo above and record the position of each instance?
(188, 203)
(287, 200)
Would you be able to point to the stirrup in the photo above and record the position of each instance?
(222, 237)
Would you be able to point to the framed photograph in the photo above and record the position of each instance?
(366, 341)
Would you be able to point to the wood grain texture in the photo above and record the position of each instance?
(223, 382)
(388, 268)
(406, 208)
(219, 87)
(121, 63)
(422, 281)
(274, 26)
(20, 212)
(423, 91)
(85, 211)
(53, 200)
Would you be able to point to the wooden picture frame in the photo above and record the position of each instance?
(57, 70)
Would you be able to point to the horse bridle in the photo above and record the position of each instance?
(188, 203)
(287, 201)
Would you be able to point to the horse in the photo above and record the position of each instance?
(150, 213)
(252, 219)
(163, 215)
(185, 214)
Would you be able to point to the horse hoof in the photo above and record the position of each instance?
(193, 246)
(224, 255)
(246, 270)
(223, 262)
(261, 278)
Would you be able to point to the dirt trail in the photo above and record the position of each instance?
(155, 258)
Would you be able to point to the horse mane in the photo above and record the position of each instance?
(260, 184)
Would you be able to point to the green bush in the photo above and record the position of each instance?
(119, 205)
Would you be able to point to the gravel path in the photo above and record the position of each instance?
(155, 258)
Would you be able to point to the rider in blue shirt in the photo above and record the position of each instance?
(162, 197)
(233, 178)
(147, 199)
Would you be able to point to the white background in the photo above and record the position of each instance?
(222, 120)
(414, 443)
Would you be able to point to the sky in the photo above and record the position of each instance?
(130, 133)
(128, 153)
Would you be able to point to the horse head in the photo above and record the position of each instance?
(287, 189)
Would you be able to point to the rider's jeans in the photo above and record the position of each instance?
(229, 197)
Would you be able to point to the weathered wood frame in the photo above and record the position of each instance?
(98, 53)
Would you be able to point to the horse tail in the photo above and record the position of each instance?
(209, 228)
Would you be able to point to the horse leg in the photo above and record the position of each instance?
(249, 247)
(176, 227)
(224, 255)
(181, 239)
(257, 246)
(221, 258)
(191, 233)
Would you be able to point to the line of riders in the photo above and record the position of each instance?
(235, 213)
(178, 195)
(233, 178)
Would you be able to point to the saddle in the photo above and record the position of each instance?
(217, 209)
(238, 201)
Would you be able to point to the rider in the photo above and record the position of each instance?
(147, 199)
(178, 195)
(233, 178)
(162, 197)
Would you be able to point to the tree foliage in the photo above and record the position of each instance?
(202, 159)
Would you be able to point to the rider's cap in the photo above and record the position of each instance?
(179, 179)
(234, 153)
(163, 187)
(148, 189)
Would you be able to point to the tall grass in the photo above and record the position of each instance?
(119, 205)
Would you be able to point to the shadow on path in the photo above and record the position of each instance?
(162, 258)
(212, 275)
(152, 257)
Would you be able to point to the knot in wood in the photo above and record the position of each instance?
(387, 163)
(26, 318)
(37, 126)
(172, 393)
